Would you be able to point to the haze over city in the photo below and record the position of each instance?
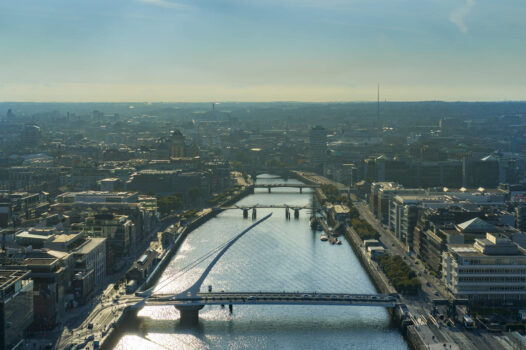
(289, 50)
(262, 174)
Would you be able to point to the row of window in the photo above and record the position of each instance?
(492, 279)
(518, 271)
(463, 288)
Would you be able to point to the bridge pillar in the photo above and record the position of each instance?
(287, 213)
(269, 189)
(301, 189)
(296, 213)
(230, 308)
(189, 314)
(245, 213)
(254, 215)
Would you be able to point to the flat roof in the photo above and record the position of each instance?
(8, 277)
(64, 237)
(26, 234)
(91, 244)
(39, 261)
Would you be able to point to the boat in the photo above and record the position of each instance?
(338, 242)
(324, 237)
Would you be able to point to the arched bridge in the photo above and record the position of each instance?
(190, 301)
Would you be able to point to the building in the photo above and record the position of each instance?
(30, 136)
(16, 306)
(91, 255)
(520, 213)
(382, 194)
(340, 212)
(492, 270)
(110, 184)
(177, 144)
(117, 229)
(170, 182)
(49, 276)
(435, 236)
(318, 148)
(97, 197)
(143, 267)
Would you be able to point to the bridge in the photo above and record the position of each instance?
(288, 208)
(275, 298)
(190, 301)
(271, 186)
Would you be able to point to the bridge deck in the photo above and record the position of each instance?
(285, 185)
(270, 206)
(275, 298)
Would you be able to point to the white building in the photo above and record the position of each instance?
(491, 271)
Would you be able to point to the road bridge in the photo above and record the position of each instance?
(288, 208)
(282, 185)
(274, 298)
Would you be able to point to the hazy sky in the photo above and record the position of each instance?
(262, 50)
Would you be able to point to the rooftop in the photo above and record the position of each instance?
(8, 277)
(90, 244)
(476, 225)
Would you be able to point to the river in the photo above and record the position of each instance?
(277, 255)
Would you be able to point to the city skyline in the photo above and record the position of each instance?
(309, 51)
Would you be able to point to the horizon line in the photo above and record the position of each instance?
(274, 101)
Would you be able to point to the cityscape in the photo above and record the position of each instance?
(262, 175)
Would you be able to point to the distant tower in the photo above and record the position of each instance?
(378, 108)
(318, 147)
(177, 148)
(10, 114)
(30, 135)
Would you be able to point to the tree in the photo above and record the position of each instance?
(169, 203)
(194, 193)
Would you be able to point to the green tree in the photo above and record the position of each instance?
(169, 203)
(194, 193)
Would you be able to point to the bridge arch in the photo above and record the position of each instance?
(194, 289)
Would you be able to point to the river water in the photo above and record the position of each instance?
(277, 255)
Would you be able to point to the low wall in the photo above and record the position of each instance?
(379, 280)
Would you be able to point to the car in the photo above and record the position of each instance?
(436, 293)
(307, 296)
(392, 245)
(428, 284)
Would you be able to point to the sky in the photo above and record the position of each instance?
(262, 50)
